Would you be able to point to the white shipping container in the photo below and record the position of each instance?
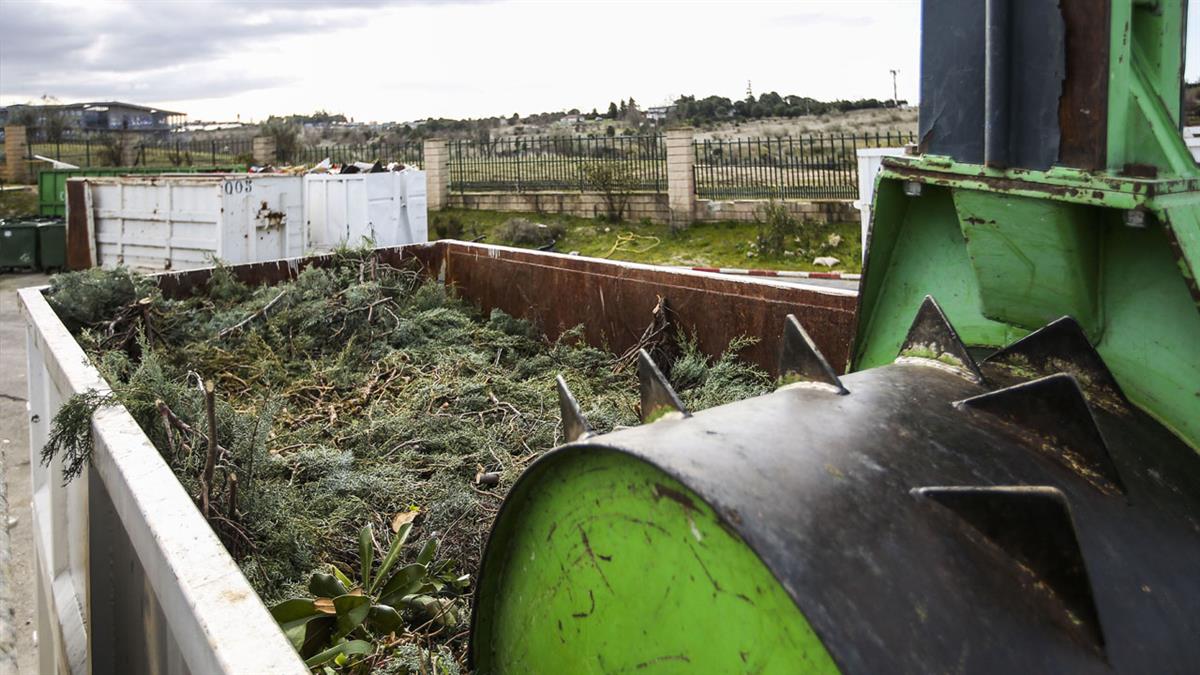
(179, 222)
(130, 578)
(385, 208)
(870, 162)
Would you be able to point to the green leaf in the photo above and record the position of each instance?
(427, 552)
(442, 611)
(293, 617)
(351, 648)
(345, 580)
(384, 619)
(351, 613)
(326, 586)
(366, 554)
(405, 582)
(316, 635)
(392, 555)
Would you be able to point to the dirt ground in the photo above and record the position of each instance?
(14, 458)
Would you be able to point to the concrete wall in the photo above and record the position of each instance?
(655, 207)
(583, 204)
(744, 210)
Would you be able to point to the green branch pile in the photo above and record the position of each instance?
(356, 395)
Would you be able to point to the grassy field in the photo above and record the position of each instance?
(701, 244)
(17, 203)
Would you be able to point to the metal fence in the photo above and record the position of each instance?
(806, 167)
(403, 153)
(210, 152)
(97, 150)
(632, 163)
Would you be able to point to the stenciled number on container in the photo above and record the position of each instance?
(239, 186)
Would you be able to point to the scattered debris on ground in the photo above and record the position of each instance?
(351, 405)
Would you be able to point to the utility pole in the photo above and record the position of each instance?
(895, 95)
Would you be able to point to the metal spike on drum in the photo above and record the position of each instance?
(932, 339)
(575, 425)
(1033, 526)
(1052, 414)
(1062, 346)
(800, 360)
(657, 396)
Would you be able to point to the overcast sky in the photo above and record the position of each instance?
(404, 60)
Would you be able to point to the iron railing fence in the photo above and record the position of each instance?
(197, 151)
(625, 163)
(403, 153)
(819, 166)
(99, 150)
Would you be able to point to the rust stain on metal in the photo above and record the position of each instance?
(614, 301)
(1083, 106)
(663, 492)
(79, 256)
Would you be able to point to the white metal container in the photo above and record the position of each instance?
(130, 577)
(181, 221)
(1191, 135)
(870, 162)
(352, 209)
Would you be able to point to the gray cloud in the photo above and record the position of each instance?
(156, 51)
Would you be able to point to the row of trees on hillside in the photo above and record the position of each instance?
(718, 108)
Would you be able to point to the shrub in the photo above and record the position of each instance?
(523, 232)
(614, 181)
(447, 227)
(777, 228)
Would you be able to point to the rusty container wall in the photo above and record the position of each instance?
(612, 300)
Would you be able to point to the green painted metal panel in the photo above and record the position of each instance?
(608, 565)
(928, 255)
(1034, 259)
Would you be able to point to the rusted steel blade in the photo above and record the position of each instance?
(801, 361)
(1052, 415)
(658, 397)
(575, 425)
(1032, 525)
(933, 339)
(1062, 347)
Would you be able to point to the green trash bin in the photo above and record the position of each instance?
(52, 245)
(19, 245)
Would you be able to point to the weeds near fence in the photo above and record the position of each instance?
(615, 182)
(780, 233)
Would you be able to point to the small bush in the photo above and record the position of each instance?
(447, 227)
(778, 229)
(523, 232)
(613, 180)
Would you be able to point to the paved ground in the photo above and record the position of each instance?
(14, 458)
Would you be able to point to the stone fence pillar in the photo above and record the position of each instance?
(263, 149)
(681, 180)
(16, 149)
(129, 148)
(437, 173)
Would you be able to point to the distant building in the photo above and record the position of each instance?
(568, 120)
(658, 113)
(96, 116)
